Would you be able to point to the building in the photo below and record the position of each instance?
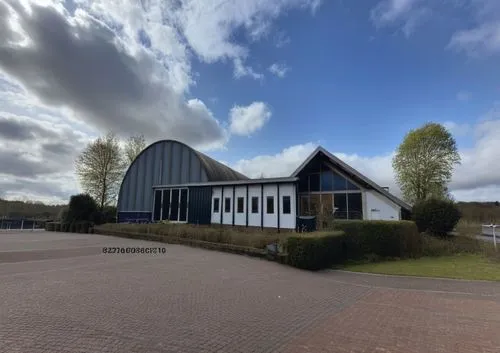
(171, 181)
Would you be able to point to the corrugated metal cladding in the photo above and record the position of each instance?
(200, 203)
(167, 162)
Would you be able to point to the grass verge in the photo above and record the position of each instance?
(460, 266)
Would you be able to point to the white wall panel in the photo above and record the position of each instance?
(287, 221)
(254, 219)
(240, 219)
(379, 207)
(227, 217)
(216, 193)
(270, 220)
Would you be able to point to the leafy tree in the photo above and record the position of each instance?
(424, 162)
(82, 207)
(100, 169)
(134, 145)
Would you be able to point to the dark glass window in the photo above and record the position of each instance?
(174, 205)
(157, 210)
(216, 205)
(165, 205)
(287, 205)
(314, 182)
(351, 186)
(270, 204)
(227, 204)
(240, 204)
(339, 182)
(304, 183)
(327, 180)
(355, 205)
(255, 204)
(183, 205)
(340, 203)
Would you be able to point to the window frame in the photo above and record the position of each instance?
(269, 198)
(242, 199)
(256, 210)
(216, 203)
(289, 201)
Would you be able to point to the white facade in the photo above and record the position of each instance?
(378, 207)
(269, 213)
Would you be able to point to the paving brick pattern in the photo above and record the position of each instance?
(194, 300)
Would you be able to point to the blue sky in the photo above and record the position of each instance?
(256, 84)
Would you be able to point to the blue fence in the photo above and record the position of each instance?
(16, 223)
(134, 217)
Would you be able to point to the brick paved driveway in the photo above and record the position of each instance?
(59, 293)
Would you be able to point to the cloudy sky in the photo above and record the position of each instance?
(257, 84)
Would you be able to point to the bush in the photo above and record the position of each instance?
(57, 227)
(107, 215)
(82, 207)
(433, 246)
(65, 227)
(315, 251)
(436, 217)
(63, 214)
(382, 238)
(50, 226)
(72, 227)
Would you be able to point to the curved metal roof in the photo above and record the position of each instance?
(217, 171)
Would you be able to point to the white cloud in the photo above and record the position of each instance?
(279, 69)
(246, 120)
(476, 179)
(99, 65)
(280, 164)
(483, 39)
(241, 70)
(463, 96)
(457, 129)
(405, 13)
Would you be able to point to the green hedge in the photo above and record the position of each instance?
(315, 251)
(383, 238)
(50, 226)
(57, 227)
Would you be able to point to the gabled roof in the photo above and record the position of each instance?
(344, 166)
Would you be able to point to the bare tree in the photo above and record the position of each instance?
(134, 145)
(100, 169)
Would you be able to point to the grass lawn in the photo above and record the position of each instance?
(474, 267)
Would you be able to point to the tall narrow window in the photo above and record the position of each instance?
(240, 204)
(227, 205)
(270, 205)
(287, 205)
(216, 205)
(255, 204)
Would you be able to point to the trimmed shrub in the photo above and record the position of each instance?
(64, 227)
(436, 216)
(63, 214)
(315, 251)
(82, 207)
(57, 226)
(72, 227)
(50, 226)
(382, 238)
(84, 227)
